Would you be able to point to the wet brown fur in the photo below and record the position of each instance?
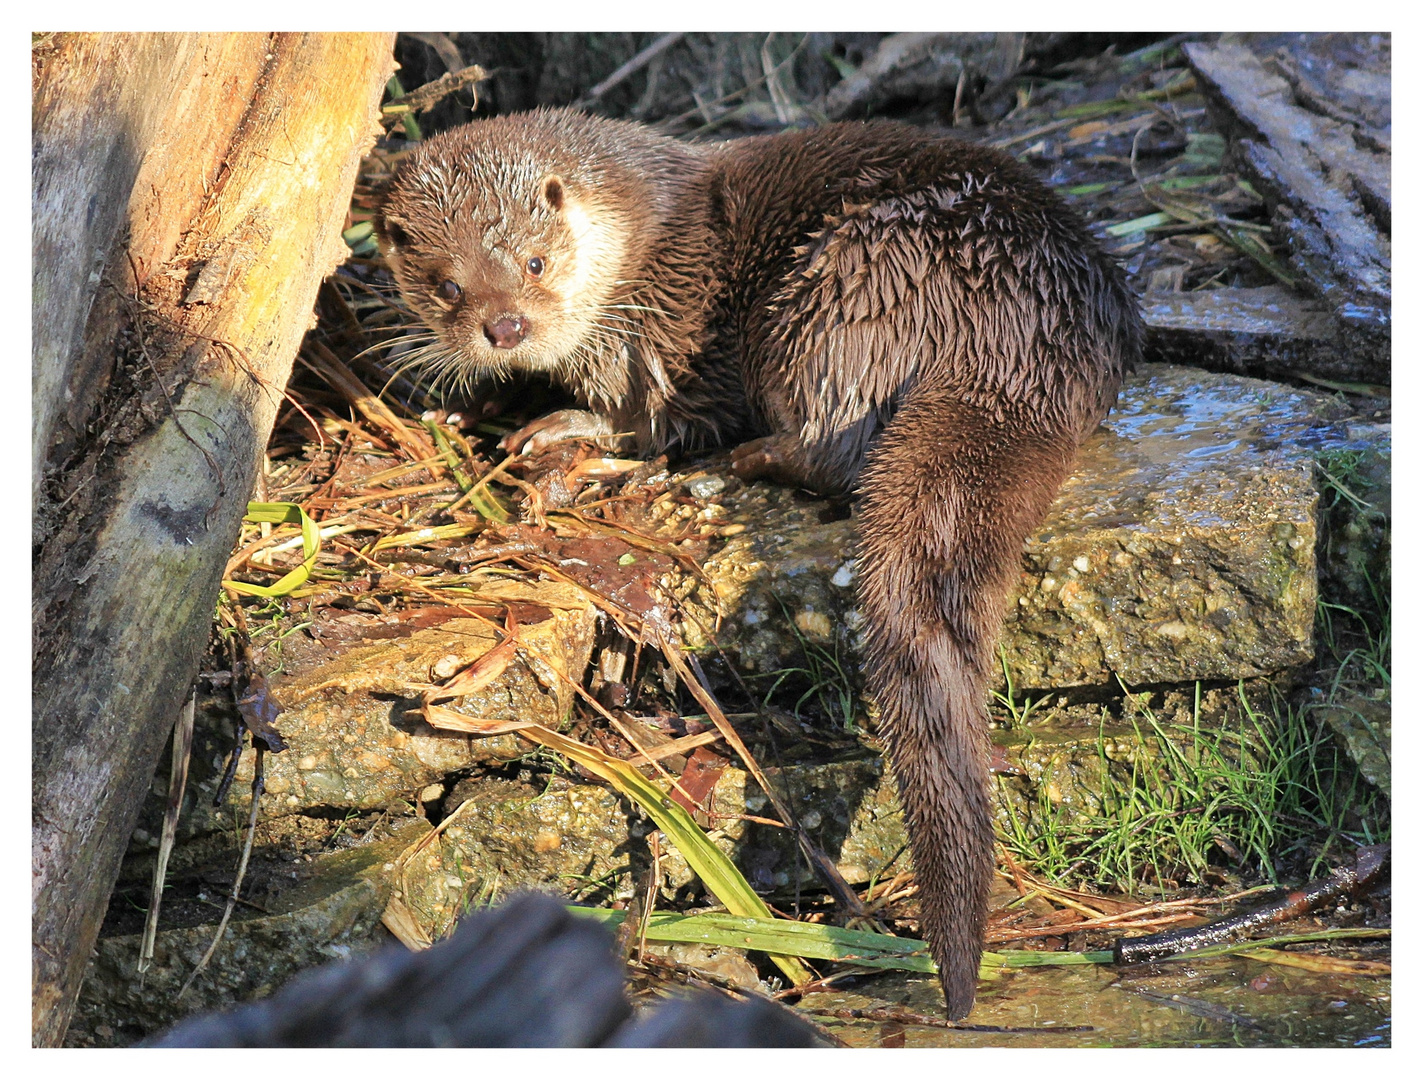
(866, 301)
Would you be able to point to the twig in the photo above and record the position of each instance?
(654, 882)
(632, 67)
(330, 367)
(676, 746)
(257, 787)
(257, 709)
(424, 98)
(1369, 865)
(177, 782)
(1115, 922)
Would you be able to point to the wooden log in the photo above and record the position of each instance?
(189, 192)
(1329, 191)
(1265, 332)
(524, 974)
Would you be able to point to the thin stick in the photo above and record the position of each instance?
(654, 882)
(632, 67)
(177, 782)
(257, 786)
(676, 746)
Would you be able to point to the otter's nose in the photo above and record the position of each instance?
(506, 332)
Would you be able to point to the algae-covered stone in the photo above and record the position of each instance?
(848, 808)
(573, 839)
(332, 913)
(1182, 548)
(351, 720)
(1365, 729)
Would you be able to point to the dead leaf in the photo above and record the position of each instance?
(1087, 130)
(475, 677)
(449, 720)
(401, 921)
(1330, 965)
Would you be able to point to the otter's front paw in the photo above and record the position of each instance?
(564, 424)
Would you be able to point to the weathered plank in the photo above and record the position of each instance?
(1329, 191)
(1262, 332)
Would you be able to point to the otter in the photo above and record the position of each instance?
(858, 304)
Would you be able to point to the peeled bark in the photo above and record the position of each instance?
(189, 192)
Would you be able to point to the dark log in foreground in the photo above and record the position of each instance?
(189, 194)
(525, 974)
(1327, 180)
(1368, 868)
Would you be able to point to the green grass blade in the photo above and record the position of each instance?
(282, 514)
(817, 941)
(781, 936)
(706, 859)
(1141, 224)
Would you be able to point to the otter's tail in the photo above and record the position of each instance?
(950, 493)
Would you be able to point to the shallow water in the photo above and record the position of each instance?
(1222, 1001)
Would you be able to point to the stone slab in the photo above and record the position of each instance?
(1182, 548)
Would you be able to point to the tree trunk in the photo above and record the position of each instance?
(189, 192)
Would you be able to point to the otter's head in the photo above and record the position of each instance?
(509, 237)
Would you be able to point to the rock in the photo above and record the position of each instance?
(1364, 728)
(727, 965)
(586, 840)
(1181, 549)
(333, 913)
(351, 713)
(501, 834)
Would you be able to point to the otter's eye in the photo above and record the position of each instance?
(448, 291)
(535, 267)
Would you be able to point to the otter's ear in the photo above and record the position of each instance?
(553, 191)
(389, 235)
